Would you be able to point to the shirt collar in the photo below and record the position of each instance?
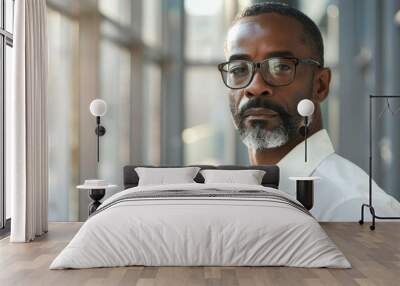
(319, 146)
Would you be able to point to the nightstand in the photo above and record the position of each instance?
(96, 192)
(305, 190)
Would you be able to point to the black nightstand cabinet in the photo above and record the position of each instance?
(305, 193)
(305, 190)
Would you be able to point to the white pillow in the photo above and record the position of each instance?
(248, 177)
(162, 176)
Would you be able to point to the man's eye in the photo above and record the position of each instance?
(238, 71)
(281, 68)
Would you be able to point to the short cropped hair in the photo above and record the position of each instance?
(312, 32)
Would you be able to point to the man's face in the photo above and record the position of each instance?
(266, 116)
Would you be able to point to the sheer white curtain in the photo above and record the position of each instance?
(26, 117)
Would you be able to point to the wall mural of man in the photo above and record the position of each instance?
(275, 58)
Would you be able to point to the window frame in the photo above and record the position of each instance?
(6, 39)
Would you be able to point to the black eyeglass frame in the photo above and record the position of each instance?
(257, 66)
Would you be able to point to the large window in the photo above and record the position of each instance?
(115, 76)
(109, 50)
(63, 116)
(151, 115)
(208, 135)
(6, 44)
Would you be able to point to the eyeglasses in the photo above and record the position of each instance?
(281, 71)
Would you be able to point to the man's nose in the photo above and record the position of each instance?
(257, 87)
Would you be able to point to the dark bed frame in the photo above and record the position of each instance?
(270, 179)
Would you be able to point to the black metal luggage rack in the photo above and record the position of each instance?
(369, 205)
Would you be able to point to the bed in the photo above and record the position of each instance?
(201, 224)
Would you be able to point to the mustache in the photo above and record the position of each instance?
(259, 102)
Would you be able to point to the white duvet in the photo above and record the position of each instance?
(200, 231)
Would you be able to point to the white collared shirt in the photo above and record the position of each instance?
(343, 186)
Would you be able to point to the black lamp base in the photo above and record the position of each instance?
(96, 195)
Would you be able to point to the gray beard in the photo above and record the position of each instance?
(258, 138)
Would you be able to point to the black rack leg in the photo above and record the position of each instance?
(361, 221)
(372, 210)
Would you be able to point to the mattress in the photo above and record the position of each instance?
(201, 225)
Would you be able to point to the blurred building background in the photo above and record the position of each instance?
(154, 63)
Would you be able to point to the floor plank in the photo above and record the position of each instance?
(374, 255)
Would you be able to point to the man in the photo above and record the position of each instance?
(274, 60)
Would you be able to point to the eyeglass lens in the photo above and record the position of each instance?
(275, 71)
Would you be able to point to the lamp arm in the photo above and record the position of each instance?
(305, 135)
(98, 137)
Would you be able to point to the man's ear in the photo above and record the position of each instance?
(232, 109)
(322, 80)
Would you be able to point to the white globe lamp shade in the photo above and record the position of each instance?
(98, 107)
(305, 107)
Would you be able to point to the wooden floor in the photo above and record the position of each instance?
(374, 255)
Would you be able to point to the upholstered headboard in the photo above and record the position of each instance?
(270, 179)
